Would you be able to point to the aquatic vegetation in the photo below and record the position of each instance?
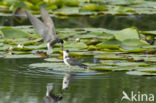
(82, 7)
(116, 51)
(103, 49)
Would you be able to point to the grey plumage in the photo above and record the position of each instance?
(68, 60)
(46, 28)
(74, 62)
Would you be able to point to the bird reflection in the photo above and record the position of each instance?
(66, 80)
(50, 96)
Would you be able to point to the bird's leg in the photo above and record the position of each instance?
(50, 49)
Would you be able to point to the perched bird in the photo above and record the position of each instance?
(50, 97)
(69, 61)
(46, 29)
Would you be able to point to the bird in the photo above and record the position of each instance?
(50, 97)
(69, 61)
(46, 29)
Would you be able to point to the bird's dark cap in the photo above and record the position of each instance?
(67, 51)
(61, 41)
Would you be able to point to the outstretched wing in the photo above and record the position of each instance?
(40, 27)
(49, 22)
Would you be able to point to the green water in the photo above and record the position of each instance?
(21, 84)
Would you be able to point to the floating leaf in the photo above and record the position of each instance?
(79, 45)
(93, 7)
(53, 60)
(59, 67)
(112, 68)
(22, 56)
(134, 43)
(92, 48)
(127, 34)
(140, 73)
(103, 46)
(14, 33)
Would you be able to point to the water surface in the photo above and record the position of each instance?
(21, 84)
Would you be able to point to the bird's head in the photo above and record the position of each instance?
(65, 53)
(60, 41)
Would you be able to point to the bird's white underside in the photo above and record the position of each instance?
(65, 58)
(50, 49)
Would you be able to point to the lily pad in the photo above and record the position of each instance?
(127, 34)
(134, 43)
(140, 73)
(79, 45)
(103, 46)
(93, 7)
(53, 60)
(14, 33)
(112, 68)
(59, 67)
(22, 56)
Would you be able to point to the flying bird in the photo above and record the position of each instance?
(46, 29)
(69, 61)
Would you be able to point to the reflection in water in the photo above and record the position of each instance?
(20, 85)
(114, 22)
(50, 96)
(66, 80)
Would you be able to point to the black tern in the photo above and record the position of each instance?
(69, 61)
(50, 97)
(46, 29)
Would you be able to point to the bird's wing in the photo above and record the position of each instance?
(49, 22)
(40, 27)
(74, 62)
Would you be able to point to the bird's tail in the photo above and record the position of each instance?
(84, 66)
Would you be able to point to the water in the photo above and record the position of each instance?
(21, 84)
(113, 22)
